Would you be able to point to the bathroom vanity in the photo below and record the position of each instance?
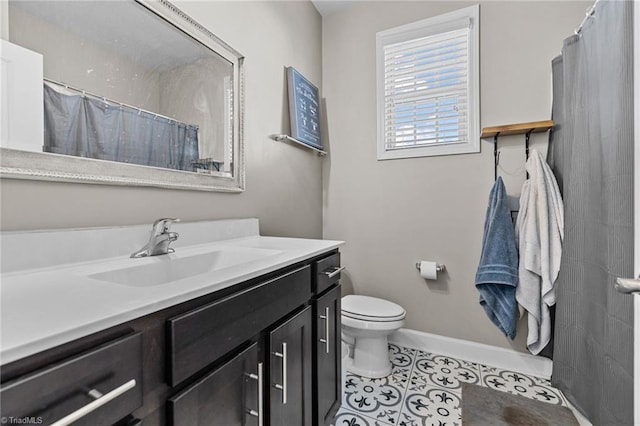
(244, 331)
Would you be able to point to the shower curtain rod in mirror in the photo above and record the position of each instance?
(117, 103)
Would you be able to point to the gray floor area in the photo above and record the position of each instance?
(425, 389)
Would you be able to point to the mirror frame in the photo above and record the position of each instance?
(17, 164)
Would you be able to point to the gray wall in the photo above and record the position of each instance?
(284, 182)
(396, 212)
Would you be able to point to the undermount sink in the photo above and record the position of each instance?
(163, 269)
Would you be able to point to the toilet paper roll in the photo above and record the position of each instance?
(428, 270)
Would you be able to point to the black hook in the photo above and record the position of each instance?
(496, 156)
(526, 147)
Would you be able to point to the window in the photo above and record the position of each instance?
(428, 87)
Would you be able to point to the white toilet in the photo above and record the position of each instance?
(366, 323)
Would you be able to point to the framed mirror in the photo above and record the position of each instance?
(134, 92)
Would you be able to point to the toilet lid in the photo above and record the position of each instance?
(371, 308)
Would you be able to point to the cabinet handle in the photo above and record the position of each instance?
(336, 270)
(260, 413)
(327, 328)
(283, 386)
(92, 406)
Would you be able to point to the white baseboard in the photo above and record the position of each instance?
(475, 352)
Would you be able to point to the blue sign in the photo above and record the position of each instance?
(304, 109)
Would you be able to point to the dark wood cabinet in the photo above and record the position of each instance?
(327, 272)
(111, 373)
(228, 396)
(327, 338)
(328, 351)
(238, 393)
(291, 371)
(263, 352)
(203, 335)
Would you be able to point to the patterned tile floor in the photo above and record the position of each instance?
(425, 389)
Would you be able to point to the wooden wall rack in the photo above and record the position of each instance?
(514, 129)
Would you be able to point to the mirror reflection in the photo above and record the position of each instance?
(124, 84)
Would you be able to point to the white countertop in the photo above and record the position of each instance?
(47, 306)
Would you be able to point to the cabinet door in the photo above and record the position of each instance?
(328, 355)
(231, 395)
(290, 371)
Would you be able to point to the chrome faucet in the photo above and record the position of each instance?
(159, 239)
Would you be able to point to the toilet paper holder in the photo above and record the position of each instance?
(439, 267)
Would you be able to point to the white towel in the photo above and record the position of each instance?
(539, 233)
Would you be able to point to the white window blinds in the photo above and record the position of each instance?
(425, 90)
(426, 83)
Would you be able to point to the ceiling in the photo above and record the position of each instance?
(122, 27)
(327, 7)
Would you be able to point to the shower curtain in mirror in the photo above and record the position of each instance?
(85, 126)
(591, 153)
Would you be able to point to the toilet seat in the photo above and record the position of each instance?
(366, 308)
(383, 326)
(372, 318)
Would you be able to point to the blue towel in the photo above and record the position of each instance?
(497, 275)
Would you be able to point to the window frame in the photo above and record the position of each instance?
(424, 28)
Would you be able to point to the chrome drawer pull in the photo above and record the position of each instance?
(283, 386)
(336, 270)
(92, 406)
(260, 413)
(327, 329)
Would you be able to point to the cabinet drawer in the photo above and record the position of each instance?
(52, 393)
(326, 272)
(199, 337)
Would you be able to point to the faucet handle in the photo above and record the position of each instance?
(162, 225)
